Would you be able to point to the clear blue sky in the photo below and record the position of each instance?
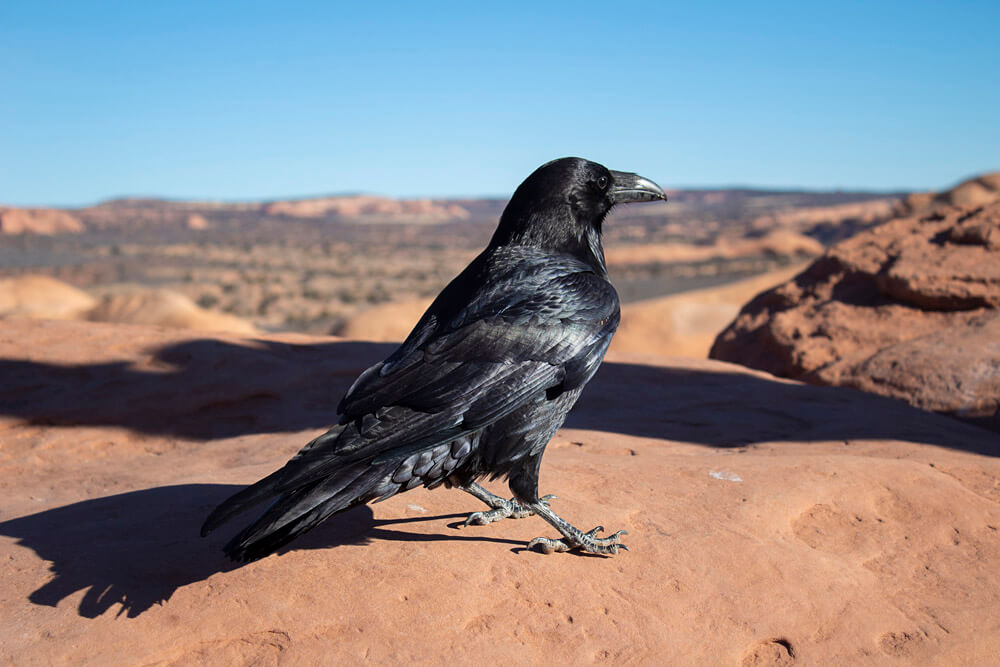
(271, 99)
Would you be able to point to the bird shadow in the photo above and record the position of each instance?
(135, 549)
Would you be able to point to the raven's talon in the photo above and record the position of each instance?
(547, 546)
(606, 541)
(483, 518)
(588, 543)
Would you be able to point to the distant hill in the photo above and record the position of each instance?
(146, 214)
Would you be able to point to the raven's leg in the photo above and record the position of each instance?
(573, 537)
(524, 484)
(502, 509)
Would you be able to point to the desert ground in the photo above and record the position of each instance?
(770, 522)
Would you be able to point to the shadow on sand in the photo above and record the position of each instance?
(135, 549)
(209, 389)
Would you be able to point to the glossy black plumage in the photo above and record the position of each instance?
(484, 379)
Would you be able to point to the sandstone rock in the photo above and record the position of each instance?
(974, 192)
(955, 370)
(907, 280)
(165, 308)
(769, 521)
(385, 323)
(196, 222)
(38, 221)
(42, 297)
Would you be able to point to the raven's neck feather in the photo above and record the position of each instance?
(553, 231)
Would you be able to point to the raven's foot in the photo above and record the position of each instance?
(588, 542)
(574, 538)
(502, 509)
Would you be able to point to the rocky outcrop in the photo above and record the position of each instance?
(884, 310)
(978, 191)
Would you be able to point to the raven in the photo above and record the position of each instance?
(482, 382)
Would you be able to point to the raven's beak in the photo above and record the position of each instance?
(633, 187)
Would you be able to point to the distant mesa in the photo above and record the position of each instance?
(196, 222)
(371, 208)
(44, 221)
(797, 210)
(865, 212)
(908, 309)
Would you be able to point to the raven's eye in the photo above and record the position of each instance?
(602, 182)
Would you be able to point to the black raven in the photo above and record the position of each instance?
(482, 382)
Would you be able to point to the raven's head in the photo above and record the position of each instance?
(562, 206)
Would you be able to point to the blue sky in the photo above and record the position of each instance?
(256, 100)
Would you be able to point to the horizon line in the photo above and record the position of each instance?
(888, 192)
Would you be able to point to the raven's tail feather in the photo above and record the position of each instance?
(242, 501)
(301, 500)
(280, 482)
(297, 511)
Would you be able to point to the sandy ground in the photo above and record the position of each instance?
(769, 522)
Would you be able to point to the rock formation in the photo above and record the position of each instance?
(908, 309)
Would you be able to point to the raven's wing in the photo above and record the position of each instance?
(541, 324)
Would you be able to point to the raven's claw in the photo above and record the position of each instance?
(573, 537)
(587, 542)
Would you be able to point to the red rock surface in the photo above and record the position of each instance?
(974, 192)
(770, 522)
(885, 309)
